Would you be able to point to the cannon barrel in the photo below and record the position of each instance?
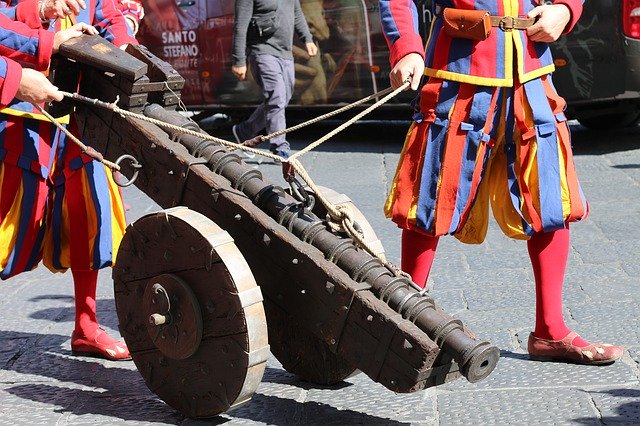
(476, 359)
(235, 268)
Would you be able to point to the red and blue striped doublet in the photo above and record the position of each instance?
(483, 134)
(20, 44)
(60, 205)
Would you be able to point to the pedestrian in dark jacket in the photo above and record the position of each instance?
(263, 37)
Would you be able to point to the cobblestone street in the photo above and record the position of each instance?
(489, 287)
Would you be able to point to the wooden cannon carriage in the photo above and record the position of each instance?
(235, 268)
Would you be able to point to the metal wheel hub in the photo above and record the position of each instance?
(175, 320)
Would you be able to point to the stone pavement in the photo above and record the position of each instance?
(488, 286)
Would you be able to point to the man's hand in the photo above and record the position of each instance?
(552, 20)
(75, 31)
(52, 9)
(239, 71)
(312, 49)
(35, 88)
(412, 66)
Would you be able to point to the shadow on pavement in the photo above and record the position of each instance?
(79, 386)
(627, 412)
(115, 392)
(282, 377)
(595, 142)
(281, 412)
(105, 308)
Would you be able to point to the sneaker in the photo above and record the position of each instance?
(242, 153)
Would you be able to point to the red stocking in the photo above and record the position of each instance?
(88, 337)
(548, 253)
(418, 252)
(84, 284)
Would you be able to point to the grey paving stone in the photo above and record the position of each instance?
(452, 301)
(614, 289)
(516, 371)
(516, 406)
(619, 405)
(498, 318)
(98, 407)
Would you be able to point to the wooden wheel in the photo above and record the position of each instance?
(190, 312)
(299, 351)
(302, 353)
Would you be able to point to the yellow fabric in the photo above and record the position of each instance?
(118, 220)
(8, 225)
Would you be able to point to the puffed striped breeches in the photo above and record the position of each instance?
(474, 146)
(56, 204)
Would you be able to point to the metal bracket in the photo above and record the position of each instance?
(183, 179)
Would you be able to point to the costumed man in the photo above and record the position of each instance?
(489, 130)
(67, 212)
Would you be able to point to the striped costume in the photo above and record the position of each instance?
(489, 128)
(56, 204)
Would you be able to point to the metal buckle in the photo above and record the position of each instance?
(503, 23)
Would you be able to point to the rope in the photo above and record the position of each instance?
(327, 115)
(205, 136)
(339, 214)
(349, 122)
(91, 152)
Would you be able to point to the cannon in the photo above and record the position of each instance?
(235, 268)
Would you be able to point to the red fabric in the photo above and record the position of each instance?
(85, 284)
(418, 252)
(23, 33)
(575, 7)
(455, 145)
(11, 82)
(409, 43)
(27, 12)
(548, 253)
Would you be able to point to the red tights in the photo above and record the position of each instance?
(548, 253)
(85, 284)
